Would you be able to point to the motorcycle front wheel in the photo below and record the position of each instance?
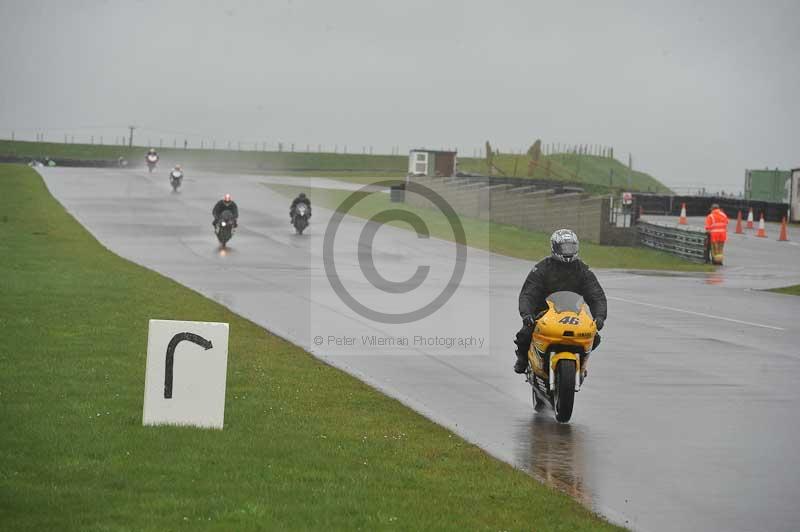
(564, 395)
(223, 238)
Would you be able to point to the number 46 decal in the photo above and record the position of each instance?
(569, 320)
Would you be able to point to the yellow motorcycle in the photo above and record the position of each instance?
(559, 353)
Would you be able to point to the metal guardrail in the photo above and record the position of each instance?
(682, 241)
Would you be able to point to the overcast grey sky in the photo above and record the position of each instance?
(696, 91)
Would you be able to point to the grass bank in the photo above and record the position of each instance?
(305, 446)
(793, 290)
(596, 174)
(498, 238)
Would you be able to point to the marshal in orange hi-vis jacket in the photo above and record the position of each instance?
(717, 229)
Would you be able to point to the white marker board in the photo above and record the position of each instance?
(187, 365)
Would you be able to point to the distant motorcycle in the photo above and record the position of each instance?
(559, 353)
(300, 220)
(175, 179)
(224, 228)
(152, 159)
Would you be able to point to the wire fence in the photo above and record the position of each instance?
(161, 142)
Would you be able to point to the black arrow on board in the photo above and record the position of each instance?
(178, 338)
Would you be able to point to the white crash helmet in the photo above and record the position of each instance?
(564, 245)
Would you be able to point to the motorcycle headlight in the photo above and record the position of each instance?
(224, 224)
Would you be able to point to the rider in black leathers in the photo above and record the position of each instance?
(301, 198)
(562, 271)
(225, 204)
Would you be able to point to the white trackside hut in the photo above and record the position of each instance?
(432, 163)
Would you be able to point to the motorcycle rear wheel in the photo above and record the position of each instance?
(564, 395)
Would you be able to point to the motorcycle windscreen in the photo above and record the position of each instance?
(568, 302)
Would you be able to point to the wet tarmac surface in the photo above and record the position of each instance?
(689, 418)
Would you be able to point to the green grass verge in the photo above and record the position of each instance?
(498, 238)
(305, 445)
(591, 172)
(318, 164)
(361, 178)
(793, 290)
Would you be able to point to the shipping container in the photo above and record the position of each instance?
(767, 185)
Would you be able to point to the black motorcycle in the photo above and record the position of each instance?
(300, 220)
(224, 227)
(175, 179)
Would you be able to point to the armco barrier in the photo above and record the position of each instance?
(682, 241)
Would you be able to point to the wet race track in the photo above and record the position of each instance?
(689, 417)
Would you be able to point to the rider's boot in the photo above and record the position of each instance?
(596, 341)
(521, 365)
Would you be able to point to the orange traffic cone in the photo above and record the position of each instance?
(750, 219)
(762, 232)
(682, 220)
(784, 235)
(739, 223)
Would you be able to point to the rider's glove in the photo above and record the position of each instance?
(599, 323)
(527, 321)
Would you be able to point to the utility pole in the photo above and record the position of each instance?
(130, 138)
